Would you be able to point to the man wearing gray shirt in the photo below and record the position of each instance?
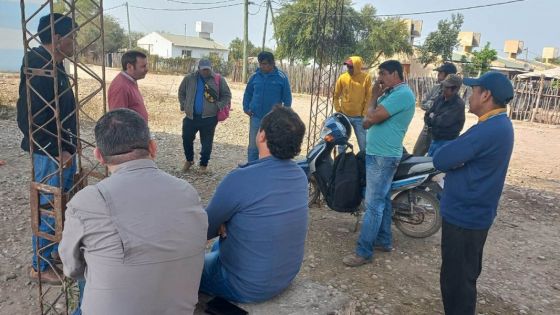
(138, 236)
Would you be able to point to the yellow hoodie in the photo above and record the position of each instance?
(353, 92)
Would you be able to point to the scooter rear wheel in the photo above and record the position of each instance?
(419, 220)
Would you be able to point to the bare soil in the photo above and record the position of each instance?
(522, 255)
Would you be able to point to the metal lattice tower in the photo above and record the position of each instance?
(326, 68)
(61, 299)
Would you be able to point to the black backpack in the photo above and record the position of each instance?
(344, 189)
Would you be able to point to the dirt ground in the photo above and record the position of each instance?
(522, 255)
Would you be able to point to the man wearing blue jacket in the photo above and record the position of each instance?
(475, 164)
(267, 87)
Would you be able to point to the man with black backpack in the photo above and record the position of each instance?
(390, 112)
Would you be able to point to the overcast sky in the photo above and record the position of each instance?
(530, 21)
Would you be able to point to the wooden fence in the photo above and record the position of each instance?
(536, 101)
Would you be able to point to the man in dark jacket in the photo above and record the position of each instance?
(201, 99)
(424, 140)
(445, 119)
(48, 155)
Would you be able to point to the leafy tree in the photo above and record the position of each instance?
(381, 38)
(359, 33)
(236, 49)
(296, 30)
(480, 61)
(440, 43)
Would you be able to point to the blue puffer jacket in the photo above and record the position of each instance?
(264, 90)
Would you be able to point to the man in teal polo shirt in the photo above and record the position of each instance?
(390, 112)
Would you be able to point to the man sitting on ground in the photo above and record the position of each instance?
(260, 211)
(138, 236)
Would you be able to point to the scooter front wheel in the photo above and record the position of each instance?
(416, 213)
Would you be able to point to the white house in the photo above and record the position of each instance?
(171, 45)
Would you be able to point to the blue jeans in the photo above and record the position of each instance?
(436, 145)
(43, 167)
(214, 280)
(359, 131)
(376, 226)
(252, 150)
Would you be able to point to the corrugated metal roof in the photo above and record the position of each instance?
(192, 41)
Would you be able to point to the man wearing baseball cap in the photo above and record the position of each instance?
(424, 138)
(48, 152)
(445, 119)
(201, 95)
(475, 164)
(352, 93)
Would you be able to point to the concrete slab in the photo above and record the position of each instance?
(303, 297)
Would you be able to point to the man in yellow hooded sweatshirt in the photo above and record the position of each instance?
(352, 93)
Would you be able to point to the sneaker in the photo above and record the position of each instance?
(203, 169)
(48, 276)
(187, 166)
(354, 260)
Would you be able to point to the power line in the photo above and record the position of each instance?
(207, 2)
(260, 7)
(118, 6)
(185, 9)
(421, 12)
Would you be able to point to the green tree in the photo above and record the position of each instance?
(440, 43)
(378, 38)
(236, 49)
(296, 30)
(480, 61)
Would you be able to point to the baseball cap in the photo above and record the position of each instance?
(497, 83)
(204, 64)
(63, 25)
(349, 62)
(452, 80)
(447, 67)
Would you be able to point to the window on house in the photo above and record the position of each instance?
(186, 53)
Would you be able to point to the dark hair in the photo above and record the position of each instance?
(130, 57)
(63, 25)
(284, 132)
(266, 56)
(495, 100)
(392, 66)
(122, 135)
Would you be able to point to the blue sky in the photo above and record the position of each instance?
(526, 21)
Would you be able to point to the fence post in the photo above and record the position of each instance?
(534, 110)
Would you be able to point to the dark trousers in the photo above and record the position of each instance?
(461, 263)
(423, 142)
(205, 127)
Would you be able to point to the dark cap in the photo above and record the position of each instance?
(495, 82)
(452, 80)
(447, 67)
(204, 64)
(62, 26)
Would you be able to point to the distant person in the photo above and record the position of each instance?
(123, 91)
(352, 93)
(47, 154)
(446, 118)
(267, 87)
(138, 236)
(200, 99)
(424, 139)
(260, 210)
(389, 114)
(475, 164)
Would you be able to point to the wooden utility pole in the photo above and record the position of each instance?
(265, 24)
(245, 39)
(128, 21)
